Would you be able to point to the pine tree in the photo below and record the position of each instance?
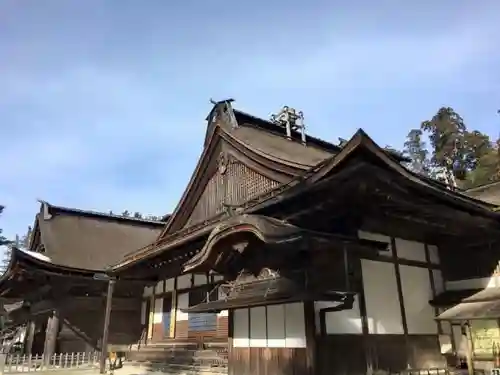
(470, 155)
(3, 239)
(446, 132)
(5, 246)
(415, 149)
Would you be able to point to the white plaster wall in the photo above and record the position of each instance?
(184, 281)
(410, 250)
(339, 322)
(270, 326)
(318, 305)
(417, 292)
(438, 281)
(200, 279)
(158, 311)
(169, 285)
(276, 335)
(377, 237)
(218, 278)
(295, 328)
(182, 303)
(258, 327)
(241, 328)
(381, 295)
(159, 287)
(433, 254)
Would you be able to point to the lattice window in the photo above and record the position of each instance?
(235, 184)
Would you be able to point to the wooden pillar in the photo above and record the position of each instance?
(367, 343)
(30, 336)
(310, 331)
(173, 315)
(409, 353)
(105, 333)
(470, 349)
(230, 334)
(51, 334)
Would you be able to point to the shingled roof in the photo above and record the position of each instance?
(489, 192)
(89, 240)
(361, 150)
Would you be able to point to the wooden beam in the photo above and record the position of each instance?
(310, 331)
(105, 333)
(30, 336)
(53, 327)
(430, 208)
(401, 300)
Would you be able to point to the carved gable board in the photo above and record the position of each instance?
(233, 183)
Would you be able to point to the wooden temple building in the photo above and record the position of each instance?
(59, 279)
(297, 255)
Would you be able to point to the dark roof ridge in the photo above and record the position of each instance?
(318, 142)
(47, 208)
(272, 128)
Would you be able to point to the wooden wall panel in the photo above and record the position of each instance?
(268, 361)
(233, 184)
(181, 329)
(341, 354)
(157, 332)
(222, 326)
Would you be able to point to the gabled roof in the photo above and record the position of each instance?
(89, 240)
(360, 150)
(260, 144)
(23, 267)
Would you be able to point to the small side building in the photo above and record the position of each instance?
(59, 279)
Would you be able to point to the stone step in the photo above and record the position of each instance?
(205, 357)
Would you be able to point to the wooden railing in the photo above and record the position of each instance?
(414, 371)
(16, 363)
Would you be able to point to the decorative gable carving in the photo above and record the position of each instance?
(232, 184)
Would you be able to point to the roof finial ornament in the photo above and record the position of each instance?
(292, 121)
(45, 211)
(222, 109)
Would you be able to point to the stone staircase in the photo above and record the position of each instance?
(190, 355)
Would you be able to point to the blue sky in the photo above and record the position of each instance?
(102, 103)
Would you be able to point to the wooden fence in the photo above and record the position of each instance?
(15, 363)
